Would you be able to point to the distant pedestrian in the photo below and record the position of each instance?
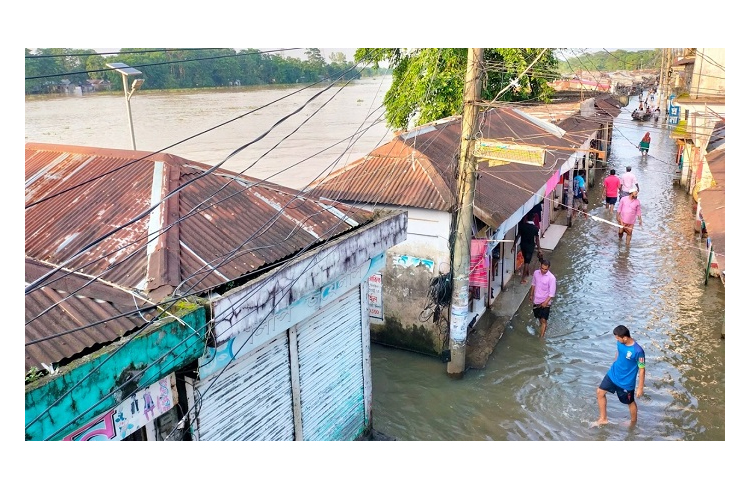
(611, 186)
(528, 235)
(629, 209)
(543, 288)
(645, 143)
(628, 181)
(630, 360)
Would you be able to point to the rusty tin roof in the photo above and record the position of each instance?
(150, 223)
(713, 203)
(418, 168)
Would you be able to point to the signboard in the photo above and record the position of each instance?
(131, 415)
(375, 296)
(673, 112)
(501, 153)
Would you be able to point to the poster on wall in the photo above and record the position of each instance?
(131, 415)
(375, 296)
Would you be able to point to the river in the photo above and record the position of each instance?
(290, 135)
(531, 389)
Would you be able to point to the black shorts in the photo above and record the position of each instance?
(541, 312)
(527, 255)
(625, 397)
(612, 200)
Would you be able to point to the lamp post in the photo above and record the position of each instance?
(127, 71)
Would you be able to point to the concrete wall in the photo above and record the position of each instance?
(409, 268)
(709, 75)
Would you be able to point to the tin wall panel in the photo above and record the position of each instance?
(331, 371)
(251, 399)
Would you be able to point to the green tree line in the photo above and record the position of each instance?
(47, 68)
(619, 60)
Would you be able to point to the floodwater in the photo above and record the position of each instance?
(531, 388)
(290, 135)
(544, 389)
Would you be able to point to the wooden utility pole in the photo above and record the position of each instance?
(461, 253)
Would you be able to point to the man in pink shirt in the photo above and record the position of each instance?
(609, 192)
(630, 208)
(543, 288)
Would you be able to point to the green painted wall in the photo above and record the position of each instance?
(108, 376)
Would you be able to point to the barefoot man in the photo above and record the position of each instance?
(630, 360)
(543, 288)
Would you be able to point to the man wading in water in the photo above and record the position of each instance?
(543, 288)
(630, 360)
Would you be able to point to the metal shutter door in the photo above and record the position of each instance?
(331, 371)
(252, 398)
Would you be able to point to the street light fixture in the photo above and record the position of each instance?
(127, 71)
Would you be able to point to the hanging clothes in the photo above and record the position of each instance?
(479, 264)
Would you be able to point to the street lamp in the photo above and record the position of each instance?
(127, 71)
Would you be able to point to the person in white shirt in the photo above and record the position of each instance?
(628, 181)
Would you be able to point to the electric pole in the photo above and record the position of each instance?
(667, 83)
(461, 253)
(661, 84)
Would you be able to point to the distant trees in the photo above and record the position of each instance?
(187, 68)
(618, 60)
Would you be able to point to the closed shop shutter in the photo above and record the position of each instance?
(331, 371)
(251, 399)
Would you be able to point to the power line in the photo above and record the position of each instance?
(113, 354)
(145, 213)
(229, 255)
(197, 207)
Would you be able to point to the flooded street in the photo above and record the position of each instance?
(535, 389)
(532, 388)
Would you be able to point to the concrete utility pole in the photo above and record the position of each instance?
(465, 215)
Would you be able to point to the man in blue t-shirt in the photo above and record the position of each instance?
(630, 359)
(579, 195)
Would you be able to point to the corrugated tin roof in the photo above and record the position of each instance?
(713, 204)
(95, 210)
(684, 61)
(421, 170)
(718, 136)
(567, 104)
(578, 128)
(83, 312)
(610, 105)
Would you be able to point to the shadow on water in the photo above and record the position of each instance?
(544, 389)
